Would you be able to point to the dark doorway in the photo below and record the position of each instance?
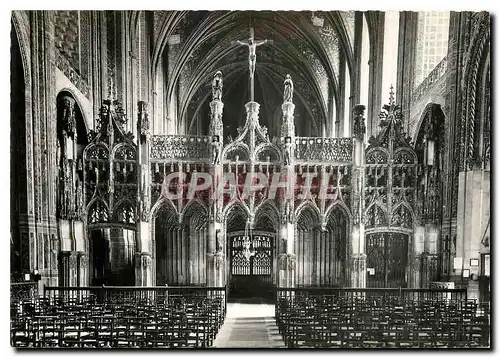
(387, 260)
(251, 258)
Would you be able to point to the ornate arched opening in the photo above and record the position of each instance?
(391, 173)
(321, 252)
(195, 226)
(107, 205)
(167, 250)
(251, 251)
(429, 147)
(307, 235)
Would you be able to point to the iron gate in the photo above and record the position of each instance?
(251, 264)
(386, 260)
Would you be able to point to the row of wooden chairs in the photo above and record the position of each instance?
(324, 321)
(176, 322)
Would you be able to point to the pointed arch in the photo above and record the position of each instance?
(265, 150)
(97, 211)
(124, 211)
(267, 216)
(307, 215)
(236, 148)
(308, 205)
(163, 204)
(194, 208)
(403, 216)
(375, 216)
(338, 206)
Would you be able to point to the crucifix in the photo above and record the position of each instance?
(252, 58)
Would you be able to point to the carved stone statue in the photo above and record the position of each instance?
(216, 149)
(217, 84)
(283, 245)
(219, 243)
(359, 121)
(288, 91)
(288, 150)
(67, 114)
(143, 122)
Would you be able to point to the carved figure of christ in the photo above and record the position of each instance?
(252, 44)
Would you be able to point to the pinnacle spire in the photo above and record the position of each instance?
(391, 96)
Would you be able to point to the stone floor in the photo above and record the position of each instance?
(249, 325)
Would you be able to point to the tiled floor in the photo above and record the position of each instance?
(249, 325)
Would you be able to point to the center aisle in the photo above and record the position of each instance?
(249, 325)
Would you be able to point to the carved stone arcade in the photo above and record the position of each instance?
(119, 174)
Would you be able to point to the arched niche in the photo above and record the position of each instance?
(321, 254)
(167, 249)
(195, 228)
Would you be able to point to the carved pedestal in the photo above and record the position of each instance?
(286, 270)
(358, 270)
(143, 269)
(216, 269)
(288, 126)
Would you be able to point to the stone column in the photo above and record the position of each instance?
(357, 261)
(418, 261)
(68, 268)
(143, 269)
(216, 238)
(285, 250)
(144, 273)
(82, 269)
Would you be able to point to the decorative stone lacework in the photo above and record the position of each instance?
(323, 149)
(110, 180)
(180, 147)
(390, 173)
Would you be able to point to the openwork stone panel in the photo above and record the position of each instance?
(180, 147)
(323, 149)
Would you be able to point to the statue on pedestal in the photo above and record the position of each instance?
(359, 121)
(288, 150)
(216, 149)
(288, 91)
(217, 84)
(219, 243)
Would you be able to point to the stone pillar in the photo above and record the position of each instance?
(419, 264)
(143, 269)
(408, 24)
(472, 217)
(286, 270)
(82, 269)
(216, 269)
(357, 261)
(68, 268)
(431, 271)
(144, 273)
(285, 250)
(377, 20)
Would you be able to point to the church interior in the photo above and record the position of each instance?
(122, 123)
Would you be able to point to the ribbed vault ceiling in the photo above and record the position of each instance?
(309, 53)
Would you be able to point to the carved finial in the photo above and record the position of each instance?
(288, 91)
(391, 96)
(111, 89)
